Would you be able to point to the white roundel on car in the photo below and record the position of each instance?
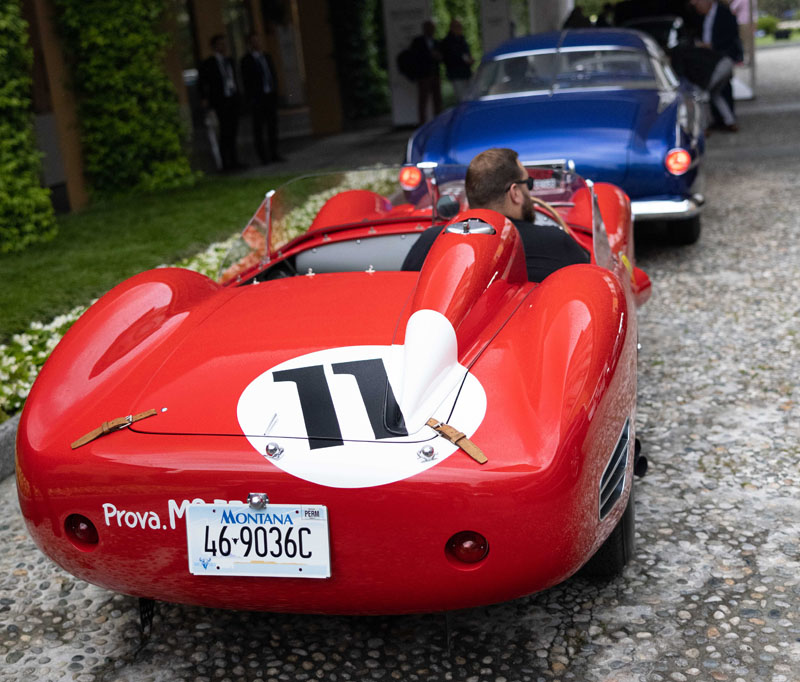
(355, 416)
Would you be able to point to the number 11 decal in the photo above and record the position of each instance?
(319, 413)
(339, 421)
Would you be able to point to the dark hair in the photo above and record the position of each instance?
(489, 175)
(215, 39)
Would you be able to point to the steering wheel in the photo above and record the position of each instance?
(554, 214)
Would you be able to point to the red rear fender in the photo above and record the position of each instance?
(101, 353)
(551, 365)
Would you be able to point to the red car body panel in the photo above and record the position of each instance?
(557, 362)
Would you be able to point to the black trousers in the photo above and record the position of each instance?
(727, 94)
(429, 87)
(265, 119)
(227, 111)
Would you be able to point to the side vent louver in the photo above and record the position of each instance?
(612, 482)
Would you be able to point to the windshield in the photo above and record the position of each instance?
(296, 205)
(329, 201)
(561, 70)
(332, 203)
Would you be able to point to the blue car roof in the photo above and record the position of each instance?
(585, 37)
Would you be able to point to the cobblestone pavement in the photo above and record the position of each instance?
(714, 593)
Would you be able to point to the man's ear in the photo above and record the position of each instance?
(512, 203)
(514, 196)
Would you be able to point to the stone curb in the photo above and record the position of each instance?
(8, 438)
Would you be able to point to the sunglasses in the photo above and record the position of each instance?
(527, 181)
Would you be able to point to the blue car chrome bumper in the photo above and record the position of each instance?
(667, 209)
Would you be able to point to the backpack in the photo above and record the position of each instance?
(407, 64)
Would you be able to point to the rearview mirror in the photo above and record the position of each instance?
(447, 207)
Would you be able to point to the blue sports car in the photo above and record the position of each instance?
(606, 100)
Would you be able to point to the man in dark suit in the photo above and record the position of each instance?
(497, 180)
(427, 57)
(218, 90)
(261, 90)
(457, 59)
(720, 31)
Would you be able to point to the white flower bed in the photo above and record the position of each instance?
(22, 358)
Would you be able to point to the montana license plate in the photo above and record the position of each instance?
(279, 541)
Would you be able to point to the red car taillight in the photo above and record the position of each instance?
(410, 178)
(81, 532)
(467, 547)
(678, 161)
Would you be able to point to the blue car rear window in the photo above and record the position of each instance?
(520, 73)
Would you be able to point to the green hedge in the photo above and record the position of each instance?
(359, 47)
(768, 24)
(131, 134)
(26, 215)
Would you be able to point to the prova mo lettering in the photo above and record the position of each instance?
(151, 520)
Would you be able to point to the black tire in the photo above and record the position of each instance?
(685, 231)
(619, 548)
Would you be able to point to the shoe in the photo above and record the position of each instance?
(732, 128)
(278, 158)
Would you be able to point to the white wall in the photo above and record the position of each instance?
(495, 23)
(402, 20)
(548, 15)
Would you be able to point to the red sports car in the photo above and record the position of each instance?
(322, 431)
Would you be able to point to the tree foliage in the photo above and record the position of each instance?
(593, 7)
(359, 47)
(26, 214)
(778, 8)
(520, 17)
(768, 24)
(131, 133)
